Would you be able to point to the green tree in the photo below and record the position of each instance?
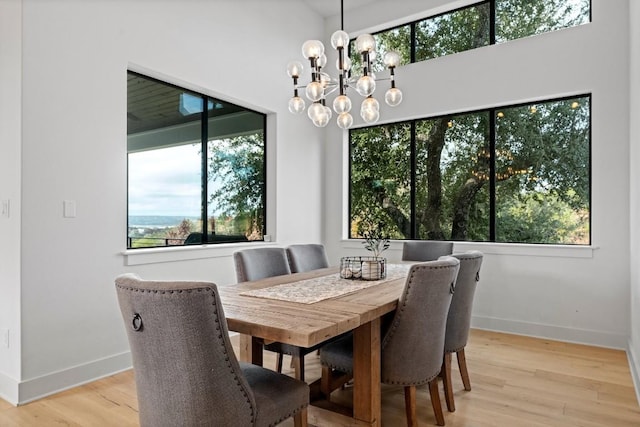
(236, 175)
(380, 181)
(516, 19)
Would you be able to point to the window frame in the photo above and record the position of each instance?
(492, 111)
(204, 202)
(492, 28)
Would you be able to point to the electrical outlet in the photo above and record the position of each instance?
(5, 337)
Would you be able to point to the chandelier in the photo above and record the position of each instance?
(322, 84)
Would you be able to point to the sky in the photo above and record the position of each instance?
(165, 182)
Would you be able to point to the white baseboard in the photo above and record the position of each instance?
(559, 333)
(55, 382)
(9, 389)
(634, 367)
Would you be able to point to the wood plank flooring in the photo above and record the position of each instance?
(516, 381)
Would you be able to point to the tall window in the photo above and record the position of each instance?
(480, 24)
(196, 167)
(512, 174)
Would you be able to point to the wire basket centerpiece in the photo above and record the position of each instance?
(363, 268)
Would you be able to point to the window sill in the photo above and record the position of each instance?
(185, 253)
(540, 250)
(516, 249)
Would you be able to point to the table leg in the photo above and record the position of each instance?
(366, 373)
(251, 349)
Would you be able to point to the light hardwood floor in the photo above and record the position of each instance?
(516, 381)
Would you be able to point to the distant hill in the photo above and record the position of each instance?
(147, 221)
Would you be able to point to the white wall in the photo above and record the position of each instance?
(570, 294)
(71, 144)
(10, 132)
(75, 57)
(634, 194)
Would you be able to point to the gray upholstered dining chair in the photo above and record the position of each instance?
(302, 258)
(459, 322)
(185, 368)
(260, 263)
(413, 342)
(425, 250)
(307, 257)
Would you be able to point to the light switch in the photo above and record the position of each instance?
(5, 209)
(69, 208)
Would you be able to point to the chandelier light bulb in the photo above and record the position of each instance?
(328, 112)
(366, 85)
(342, 104)
(315, 111)
(294, 69)
(321, 122)
(322, 60)
(296, 105)
(393, 97)
(370, 103)
(339, 39)
(314, 91)
(370, 116)
(322, 116)
(391, 59)
(346, 64)
(365, 43)
(345, 120)
(312, 49)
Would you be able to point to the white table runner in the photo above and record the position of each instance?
(320, 288)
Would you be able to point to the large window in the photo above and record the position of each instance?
(480, 24)
(512, 174)
(196, 167)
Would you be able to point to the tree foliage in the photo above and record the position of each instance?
(516, 19)
(236, 183)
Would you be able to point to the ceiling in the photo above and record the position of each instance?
(326, 8)
(153, 105)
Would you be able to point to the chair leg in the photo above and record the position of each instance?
(410, 405)
(435, 401)
(445, 373)
(462, 364)
(301, 419)
(298, 366)
(279, 360)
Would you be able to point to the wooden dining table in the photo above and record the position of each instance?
(262, 319)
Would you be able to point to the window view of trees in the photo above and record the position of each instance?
(470, 28)
(516, 174)
(542, 172)
(516, 19)
(453, 32)
(189, 183)
(236, 169)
